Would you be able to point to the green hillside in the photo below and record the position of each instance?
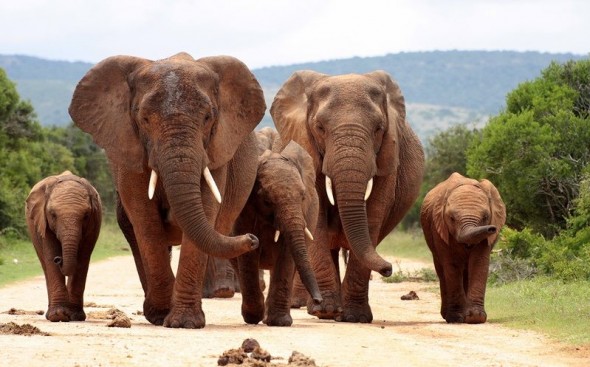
(441, 87)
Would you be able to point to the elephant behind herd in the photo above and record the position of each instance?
(188, 169)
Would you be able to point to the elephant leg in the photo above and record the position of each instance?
(299, 294)
(220, 279)
(477, 276)
(59, 308)
(355, 293)
(326, 273)
(454, 290)
(186, 307)
(279, 291)
(153, 247)
(127, 229)
(77, 282)
(440, 273)
(252, 297)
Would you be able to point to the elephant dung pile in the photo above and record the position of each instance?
(118, 318)
(15, 329)
(251, 354)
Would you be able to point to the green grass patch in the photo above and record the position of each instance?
(560, 310)
(406, 244)
(19, 261)
(420, 275)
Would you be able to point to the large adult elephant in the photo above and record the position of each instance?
(168, 127)
(369, 167)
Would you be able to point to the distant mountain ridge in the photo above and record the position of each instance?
(440, 87)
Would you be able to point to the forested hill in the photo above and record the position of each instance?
(476, 80)
(441, 87)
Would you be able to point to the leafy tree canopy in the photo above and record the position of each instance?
(536, 150)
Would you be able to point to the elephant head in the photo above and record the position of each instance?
(468, 211)
(351, 125)
(63, 208)
(286, 198)
(179, 118)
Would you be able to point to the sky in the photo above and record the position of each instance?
(281, 32)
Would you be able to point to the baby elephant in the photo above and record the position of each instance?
(282, 212)
(461, 219)
(64, 215)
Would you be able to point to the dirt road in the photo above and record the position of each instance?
(403, 333)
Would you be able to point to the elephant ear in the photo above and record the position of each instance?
(497, 208)
(304, 163)
(101, 107)
(94, 196)
(388, 157)
(268, 138)
(289, 111)
(35, 204)
(241, 107)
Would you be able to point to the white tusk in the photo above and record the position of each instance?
(329, 191)
(277, 234)
(369, 189)
(212, 184)
(308, 233)
(152, 184)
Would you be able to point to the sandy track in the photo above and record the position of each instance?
(403, 333)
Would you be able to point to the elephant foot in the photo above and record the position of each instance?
(279, 319)
(61, 313)
(329, 308)
(253, 315)
(356, 313)
(454, 317)
(154, 314)
(185, 318)
(225, 292)
(475, 315)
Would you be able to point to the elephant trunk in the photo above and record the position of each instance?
(181, 179)
(472, 235)
(295, 230)
(69, 259)
(350, 198)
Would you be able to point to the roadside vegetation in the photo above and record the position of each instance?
(536, 152)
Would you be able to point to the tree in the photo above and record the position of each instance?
(536, 150)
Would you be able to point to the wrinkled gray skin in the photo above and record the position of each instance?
(64, 215)
(354, 128)
(283, 199)
(176, 117)
(461, 219)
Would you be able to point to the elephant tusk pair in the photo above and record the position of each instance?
(307, 233)
(330, 192)
(208, 178)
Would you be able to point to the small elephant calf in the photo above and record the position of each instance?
(64, 215)
(461, 219)
(282, 212)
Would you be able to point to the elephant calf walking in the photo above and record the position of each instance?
(461, 219)
(64, 215)
(282, 212)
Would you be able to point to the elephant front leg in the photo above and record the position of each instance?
(279, 292)
(326, 273)
(59, 308)
(186, 307)
(454, 300)
(252, 296)
(299, 294)
(220, 279)
(477, 276)
(355, 293)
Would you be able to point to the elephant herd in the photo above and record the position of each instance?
(340, 171)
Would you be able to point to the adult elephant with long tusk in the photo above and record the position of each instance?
(178, 135)
(369, 167)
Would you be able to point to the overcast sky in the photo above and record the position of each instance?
(280, 32)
